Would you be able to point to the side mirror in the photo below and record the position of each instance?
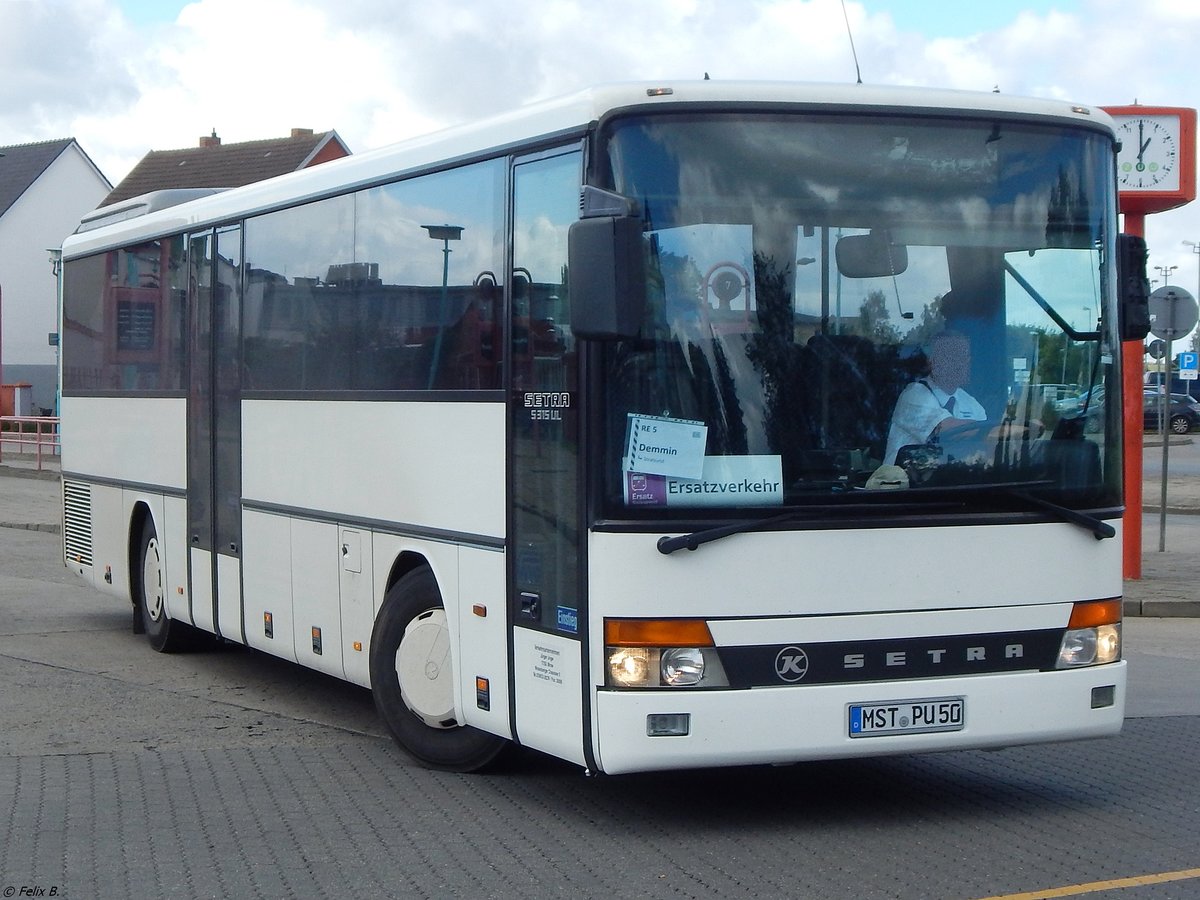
(1133, 288)
(870, 256)
(607, 272)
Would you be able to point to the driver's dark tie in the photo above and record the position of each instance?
(949, 405)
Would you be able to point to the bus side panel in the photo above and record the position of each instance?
(483, 641)
(201, 589)
(135, 440)
(315, 596)
(110, 540)
(229, 597)
(357, 591)
(435, 465)
(112, 441)
(267, 579)
(548, 693)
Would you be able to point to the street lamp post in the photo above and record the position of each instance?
(445, 234)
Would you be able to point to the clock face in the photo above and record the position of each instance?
(1149, 157)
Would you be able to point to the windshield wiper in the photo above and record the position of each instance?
(668, 545)
(1098, 527)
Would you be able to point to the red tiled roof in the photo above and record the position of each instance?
(227, 165)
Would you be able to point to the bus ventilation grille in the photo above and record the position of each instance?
(77, 523)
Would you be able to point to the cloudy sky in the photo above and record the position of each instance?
(127, 76)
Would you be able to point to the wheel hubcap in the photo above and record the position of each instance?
(423, 669)
(152, 581)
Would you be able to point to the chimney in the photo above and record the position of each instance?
(302, 132)
(211, 141)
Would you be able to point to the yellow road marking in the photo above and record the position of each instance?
(1076, 889)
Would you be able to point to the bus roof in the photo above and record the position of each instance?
(544, 119)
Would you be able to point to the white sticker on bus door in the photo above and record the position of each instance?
(659, 446)
(725, 481)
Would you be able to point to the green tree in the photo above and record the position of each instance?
(874, 320)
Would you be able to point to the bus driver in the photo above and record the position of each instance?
(936, 407)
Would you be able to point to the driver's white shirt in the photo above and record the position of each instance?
(920, 408)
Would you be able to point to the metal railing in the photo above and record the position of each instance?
(43, 437)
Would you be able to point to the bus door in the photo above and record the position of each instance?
(545, 594)
(215, 433)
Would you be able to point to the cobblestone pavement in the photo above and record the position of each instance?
(353, 818)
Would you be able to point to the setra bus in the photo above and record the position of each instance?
(576, 428)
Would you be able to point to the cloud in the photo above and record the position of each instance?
(56, 62)
(379, 73)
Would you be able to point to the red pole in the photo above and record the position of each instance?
(1132, 355)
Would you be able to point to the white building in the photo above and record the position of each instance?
(45, 189)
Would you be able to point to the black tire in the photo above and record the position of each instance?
(149, 594)
(412, 680)
(1180, 424)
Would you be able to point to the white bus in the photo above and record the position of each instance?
(570, 428)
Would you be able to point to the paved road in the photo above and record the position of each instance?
(125, 773)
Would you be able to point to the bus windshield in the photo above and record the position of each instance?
(857, 310)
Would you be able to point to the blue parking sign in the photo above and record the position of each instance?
(1189, 362)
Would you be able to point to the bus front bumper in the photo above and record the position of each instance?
(776, 725)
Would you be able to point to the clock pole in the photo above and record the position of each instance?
(1156, 171)
(1132, 362)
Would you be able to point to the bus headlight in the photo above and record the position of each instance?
(682, 665)
(1093, 636)
(657, 653)
(631, 666)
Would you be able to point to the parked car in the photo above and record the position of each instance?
(1072, 405)
(1182, 416)
(1154, 380)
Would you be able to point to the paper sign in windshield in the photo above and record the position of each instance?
(725, 481)
(661, 446)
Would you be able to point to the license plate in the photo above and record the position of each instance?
(907, 717)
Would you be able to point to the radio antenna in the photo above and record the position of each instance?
(853, 52)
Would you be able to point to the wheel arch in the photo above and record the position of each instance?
(405, 562)
(139, 514)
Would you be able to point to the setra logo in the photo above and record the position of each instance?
(791, 664)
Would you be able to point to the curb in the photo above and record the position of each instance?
(1174, 510)
(1161, 609)
(43, 475)
(27, 526)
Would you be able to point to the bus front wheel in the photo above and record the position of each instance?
(412, 679)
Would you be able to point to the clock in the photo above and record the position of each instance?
(1156, 157)
(1149, 157)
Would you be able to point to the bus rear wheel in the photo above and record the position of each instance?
(412, 680)
(150, 597)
